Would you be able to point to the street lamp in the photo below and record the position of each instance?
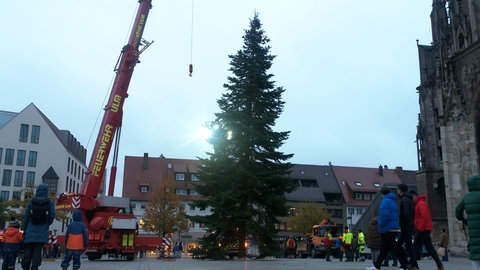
(349, 224)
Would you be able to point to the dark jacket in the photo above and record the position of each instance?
(76, 235)
(388, 214)
(38, 233)
(374, 240)
(470, 203)
(407, 212)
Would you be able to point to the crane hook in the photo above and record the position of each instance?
(190, 70)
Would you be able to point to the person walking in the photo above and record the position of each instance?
(470, 203)
(39, 215)
(423, 227)
(361, 245)
(374, 240)
(328, 243)
(347, 244)
(12, 237)
(291, 244)
(338, 245)
(388, 229)
(407, 226)
(76, 241)
(443, 243)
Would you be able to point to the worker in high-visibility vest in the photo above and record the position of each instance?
(361, 245)
(347, 244)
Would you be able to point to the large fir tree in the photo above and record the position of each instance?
(245, 177)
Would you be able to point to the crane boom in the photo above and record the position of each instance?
(111, 228)
(112, 118)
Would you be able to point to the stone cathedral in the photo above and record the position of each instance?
(448, 132)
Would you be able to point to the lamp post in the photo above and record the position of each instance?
(349, 224)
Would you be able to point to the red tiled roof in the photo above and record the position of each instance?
(357, 179)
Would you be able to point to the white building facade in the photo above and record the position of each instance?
(34, 151)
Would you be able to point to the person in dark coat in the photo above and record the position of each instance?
(76, 241)
(407, 226)
(36, 235)
(374, 240)
(470, 203)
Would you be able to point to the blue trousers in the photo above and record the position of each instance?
(69, 254)
(9, 260)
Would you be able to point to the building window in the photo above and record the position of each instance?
(30, 181)
(1, 155)
(366, 196)
(23, 133)
(9, 156)
(195, 178)
(193, 192)
(142, 206)
(358, 184)
(358, 196)
(17, 195)
(35, 138)
(18, 181)
(359, 211)
(180, 177)
(4, 194)
(143, 188)
(180, 191)
(21, 157)
(7, 177)
(32, 159)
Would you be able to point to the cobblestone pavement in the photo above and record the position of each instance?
(457, 263)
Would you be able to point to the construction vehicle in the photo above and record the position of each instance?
(111, 226)
(316, 239)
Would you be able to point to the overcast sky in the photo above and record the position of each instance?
(350, 70)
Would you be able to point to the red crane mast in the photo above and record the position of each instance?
(111, 228)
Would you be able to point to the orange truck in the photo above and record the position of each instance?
(316, 239)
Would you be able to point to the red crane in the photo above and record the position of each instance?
(110, 229)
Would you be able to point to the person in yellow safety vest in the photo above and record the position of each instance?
(347, 244)
(361, 245)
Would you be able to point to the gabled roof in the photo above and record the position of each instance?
(5, 117)
(50, 174)
(64, 136)
(365, 180)
(322, 176)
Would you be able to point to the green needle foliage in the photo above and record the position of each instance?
(245, 177)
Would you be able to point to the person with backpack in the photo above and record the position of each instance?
(39, 215)
(12, 237)
(76, 241)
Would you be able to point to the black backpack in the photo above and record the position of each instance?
(39, 211)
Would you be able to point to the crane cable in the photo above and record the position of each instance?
(190, 67)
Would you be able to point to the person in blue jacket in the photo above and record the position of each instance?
(36, 235)
(388, 228)
(76, 241)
